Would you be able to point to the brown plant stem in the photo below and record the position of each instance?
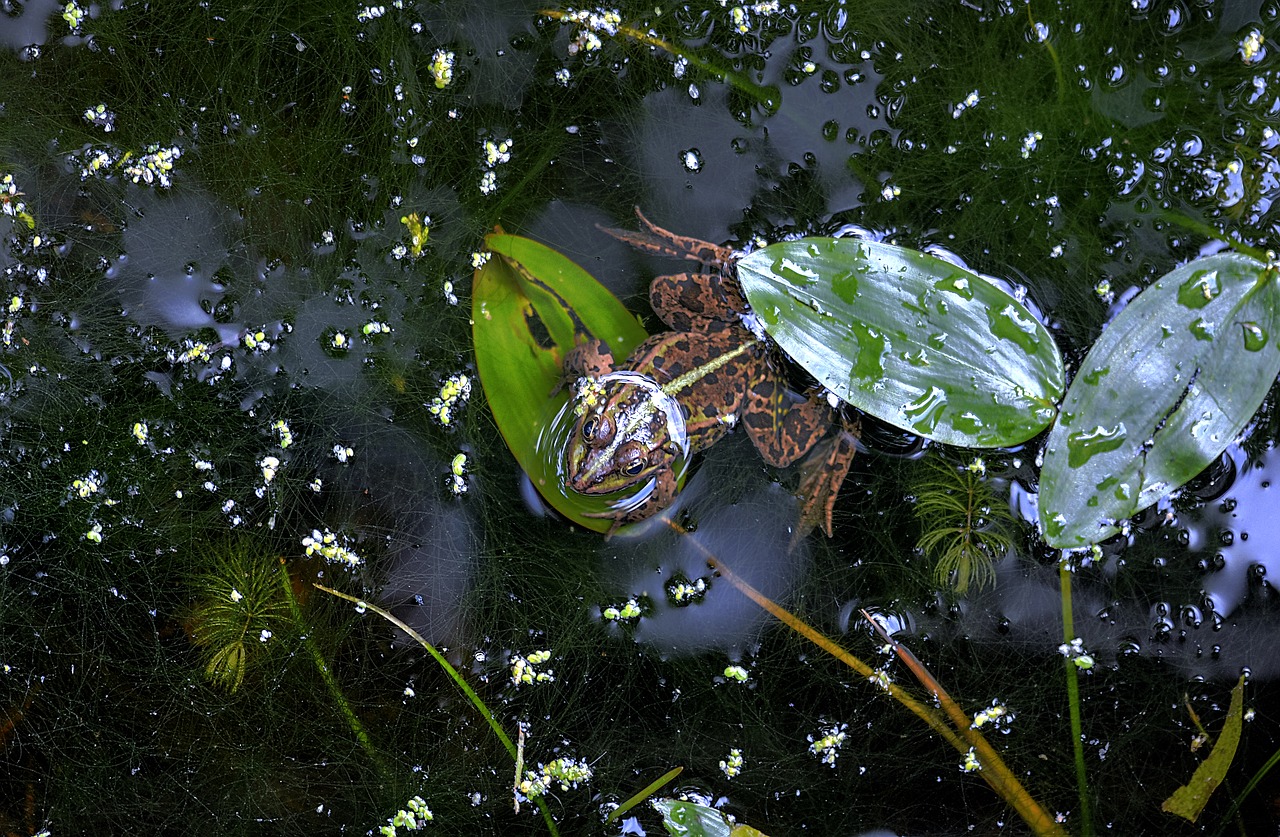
(994, 771)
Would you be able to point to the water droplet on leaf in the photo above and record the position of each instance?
(1086, 444)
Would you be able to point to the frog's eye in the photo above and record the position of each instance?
(597, 430)
(631, 459)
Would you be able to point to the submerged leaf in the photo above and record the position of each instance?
(909, 338)
(1168, 386)
(1189, 800)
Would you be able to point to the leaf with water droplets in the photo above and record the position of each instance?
(909, 338)
(1168, 386)
(692, 819)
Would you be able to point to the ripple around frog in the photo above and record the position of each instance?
(553, 440)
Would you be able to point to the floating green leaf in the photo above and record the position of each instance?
(1189, 800)
(529, 306)
(909, 338)
(689, 819)
(1169, 384)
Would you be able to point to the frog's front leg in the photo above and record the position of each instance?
(586, 360)
(782, 424)
(663, 493)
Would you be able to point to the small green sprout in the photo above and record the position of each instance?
(328, 546)
(281, 427)
(441, 68)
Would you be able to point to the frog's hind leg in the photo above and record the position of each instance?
(822, 474)
(782, 424)
(697, 301)
(666, 243)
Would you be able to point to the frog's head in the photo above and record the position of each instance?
(626, 434)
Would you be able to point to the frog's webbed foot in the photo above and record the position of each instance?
(822, 474)
(690, 248)
(782, 424)
(664, 242)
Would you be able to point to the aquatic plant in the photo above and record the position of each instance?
(963, 523)
(239, 607)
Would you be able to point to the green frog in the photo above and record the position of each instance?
(712, 368)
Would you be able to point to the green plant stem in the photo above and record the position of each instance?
(1073, 701)
(326, 674)
(1208, 231)
(649, 791)
(461, 683)
(767, 97)
(1239, 799)
(1053, 56)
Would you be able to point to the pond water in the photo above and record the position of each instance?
(239, 241)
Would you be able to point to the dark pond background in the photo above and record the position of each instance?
(216, 259)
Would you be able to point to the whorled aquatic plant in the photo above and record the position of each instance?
(239, 605)
(963, 523)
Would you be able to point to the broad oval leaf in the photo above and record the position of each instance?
(526, 297)
(691, 819)
(1168, 386)
(909, 338)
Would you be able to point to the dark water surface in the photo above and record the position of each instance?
(227, 350)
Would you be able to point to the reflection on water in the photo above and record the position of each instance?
(392, 495)
(1239, 530)
(172, 249)
(692, 611)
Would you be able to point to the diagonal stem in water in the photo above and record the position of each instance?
(995, 772)
(768, 97)
(326, 674)
(461, 683)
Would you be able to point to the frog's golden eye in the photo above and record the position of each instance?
(631, 459)
(597, 430)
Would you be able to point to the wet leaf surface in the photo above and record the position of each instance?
(530, 305)
(1168, 386)
(694, 820)
(909, 338)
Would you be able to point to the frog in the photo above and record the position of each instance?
(712, 366)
